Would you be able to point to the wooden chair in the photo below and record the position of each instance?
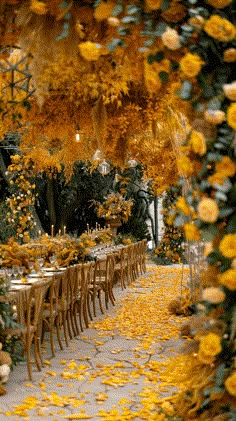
(104, 281)
(29, 306)
(51, 313)
(81, 305)
(143, 268)
(121, 267)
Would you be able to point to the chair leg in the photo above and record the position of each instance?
(100, 301)
(57, 323)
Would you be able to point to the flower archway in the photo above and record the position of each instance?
(151, 46)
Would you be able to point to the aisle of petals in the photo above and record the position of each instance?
(121, 376)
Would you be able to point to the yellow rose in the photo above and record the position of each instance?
(185, 166)
(152, 80)
(220, 28)
(228, 279)
(231, 115)
(230, 384)
(90, 51)
(205, 358)
(208, 210)
(197, 21)
(191, 64)
(219, 4)
(170, 39)
(228, 246)
(230, 55)
(213, 295)
(208, 248)
(216, 178)
(214, 116)
(153, 4)
(104, 10)
(209, 347)
(38, 7)
(182, 205)
(191, 232)
(198, 143)
(230, 90)
(226, 167)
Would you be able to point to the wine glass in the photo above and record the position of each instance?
(31, 266)
(53, 259)
(15, 271)
(40, 261)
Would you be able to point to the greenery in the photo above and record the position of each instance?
(171, 248)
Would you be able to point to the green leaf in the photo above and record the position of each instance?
(132, 9)
(226, 212)
(115, 42)
(160, 29)
(117, 10)
(221, 196)
(123, 31)
(130, 19)
(186, 89)
(220, 372)
(163, 76)
(165, 4)
(151, 59)
(209, 233)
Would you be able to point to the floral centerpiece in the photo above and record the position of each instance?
(115, 206)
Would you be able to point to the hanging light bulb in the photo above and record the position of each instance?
(77, 134)
(132, 163)
(97, 155)
(104, 167)
(117, 177)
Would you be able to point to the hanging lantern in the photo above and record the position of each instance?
(97, 155)
(104, 167)
(132, 163)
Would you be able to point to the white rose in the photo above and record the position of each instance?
(230, 90)
(170, 39)
(213, 295)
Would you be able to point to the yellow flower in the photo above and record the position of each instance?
(153, 4)
(230, 55)
(228, 279)
(226, 167)
(90, 51)
(152, 80)
(214, 116)
(210, 346)
(216, 178)
(213, 295)
(230, 90)
(170, 39)
(231, 115)
(191, 64)
(228, 246)
(197, 21)
(198, 143)
(230, 384)
(182, 205)
(219, 4)
(38, 7)
(104, 10)
(191, 232)
(220, 28)
(185, 166)
(208, 210)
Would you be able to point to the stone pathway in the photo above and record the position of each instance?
(112, 370)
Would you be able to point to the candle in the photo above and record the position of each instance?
(88, 228)
(52, 230)
(64, 231)
(59, 232)
(39, 233)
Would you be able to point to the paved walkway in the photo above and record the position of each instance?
(112, 370)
